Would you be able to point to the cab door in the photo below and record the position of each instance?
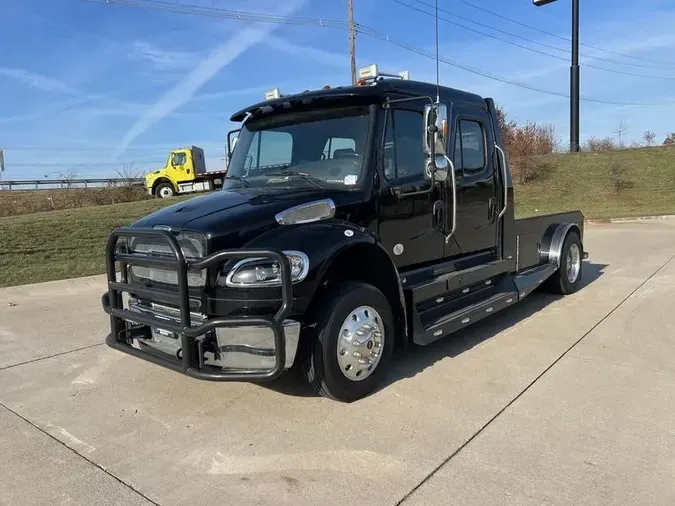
(410, 223)
(474, 159)
(178, 162)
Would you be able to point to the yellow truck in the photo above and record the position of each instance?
(184, 172)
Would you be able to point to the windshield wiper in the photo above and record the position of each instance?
(303, 175)
(240, 179)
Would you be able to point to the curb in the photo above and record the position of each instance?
(634, 219)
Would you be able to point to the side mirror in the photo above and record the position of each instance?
(232, 141)
(435, 129)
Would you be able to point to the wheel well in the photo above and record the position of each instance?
(160, 181)
(368, 263)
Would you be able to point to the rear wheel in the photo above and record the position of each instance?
(567, 279)
(164, 190)
(348, 343)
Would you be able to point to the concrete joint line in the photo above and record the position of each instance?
(117, 479)
(510, 403)
(51, 356)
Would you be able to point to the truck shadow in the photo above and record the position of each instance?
(415, 359)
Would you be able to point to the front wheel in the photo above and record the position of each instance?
(164, 191)
(348, 342)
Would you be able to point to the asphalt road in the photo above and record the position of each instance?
(558, 401)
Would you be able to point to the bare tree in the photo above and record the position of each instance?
(128, 174)
(68, 177)
(669, 140)
(620, 131)
(649, 138)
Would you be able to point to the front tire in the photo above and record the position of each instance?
(567, 279)
(348, 342)
(164, 191)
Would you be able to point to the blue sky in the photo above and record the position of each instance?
(97, 87)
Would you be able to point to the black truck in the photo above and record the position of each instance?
(353, 221)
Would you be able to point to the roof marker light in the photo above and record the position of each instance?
(272, 94)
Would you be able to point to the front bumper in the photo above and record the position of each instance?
(216, 349)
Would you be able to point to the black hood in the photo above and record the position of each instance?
(232, 217)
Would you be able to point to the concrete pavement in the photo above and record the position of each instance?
(594, 426)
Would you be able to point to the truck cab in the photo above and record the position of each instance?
(184, 172)
(353, 221)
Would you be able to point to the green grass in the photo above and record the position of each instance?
(70, 243)
(62, 244)
(584, 181)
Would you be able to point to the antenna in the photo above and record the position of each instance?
(438, 75)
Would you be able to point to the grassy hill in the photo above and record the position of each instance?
(69, 243)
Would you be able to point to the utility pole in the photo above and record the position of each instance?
(352, 38)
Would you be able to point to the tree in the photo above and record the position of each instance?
(649, 137)
(670, 140)
(620, 131)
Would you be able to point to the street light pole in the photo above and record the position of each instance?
(574, 74)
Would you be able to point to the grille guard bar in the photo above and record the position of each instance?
(191, 360)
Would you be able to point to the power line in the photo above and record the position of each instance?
(404, 45)
(213, 12)
(566, 39)
(589, 65)
(176, 8)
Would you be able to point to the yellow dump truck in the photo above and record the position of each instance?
(184, 172)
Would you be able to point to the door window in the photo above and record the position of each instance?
(403, 149)
(470, 155)
(178, 159)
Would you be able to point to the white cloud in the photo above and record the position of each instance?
(35, 80)
(308, 52)
(219, 58)
(162, 59)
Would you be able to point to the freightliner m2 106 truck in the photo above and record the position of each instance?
(184, 172)
(352, 222)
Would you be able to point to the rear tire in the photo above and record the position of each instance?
(567, 279)
(347, 342)
(164, 191)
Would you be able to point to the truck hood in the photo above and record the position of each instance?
(230, 218)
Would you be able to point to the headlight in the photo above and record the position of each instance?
(260, 272)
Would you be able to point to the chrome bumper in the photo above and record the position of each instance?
(238, 347)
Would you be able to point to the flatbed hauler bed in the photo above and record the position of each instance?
(365, 218)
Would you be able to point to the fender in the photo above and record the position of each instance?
(554, 238)
(325, 242)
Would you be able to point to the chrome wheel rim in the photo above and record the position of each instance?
(573, 263)
(360, 343)
(165, 192)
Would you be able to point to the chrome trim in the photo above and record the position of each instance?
(282, 217)
(454, 200)
(240, 263)
(506, 188)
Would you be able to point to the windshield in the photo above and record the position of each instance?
(321, 147)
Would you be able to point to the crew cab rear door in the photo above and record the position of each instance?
(473, 154)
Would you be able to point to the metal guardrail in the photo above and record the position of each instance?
(43, 184)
